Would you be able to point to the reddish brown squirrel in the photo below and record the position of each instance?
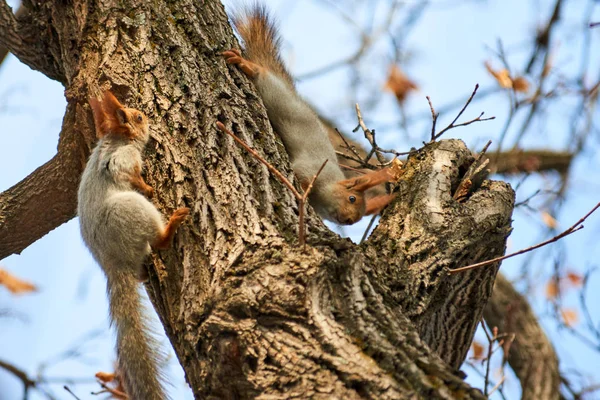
(305, 138)
(119, 225)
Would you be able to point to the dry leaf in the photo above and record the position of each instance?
(551, 289)
(14, 284)
(549, 220)
(399, 84)
(502, 76)
(105, 376)
(116, 388)
(574, 278)
(463, 190)
(569, 316)
(520, 84)
(477, 350)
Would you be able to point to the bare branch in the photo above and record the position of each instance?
(574, 228)
(300, 197)
(452, 124)
(68, 389)
(434, 118)
(19, 373)
(531, 356)
(370, 136)
(301, 206)
(255, 154)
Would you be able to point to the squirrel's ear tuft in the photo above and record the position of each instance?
(122, 116)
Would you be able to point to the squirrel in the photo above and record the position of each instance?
(118, 224)
(304, 136)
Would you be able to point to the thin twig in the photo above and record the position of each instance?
(497, 385)
(359, 171)
(359, 161)
(452, 125)
(364, 236)
(271, 168)
(71, 392)
(301, 203)
(347, 145)
(370, 136)
(488, 359)
(18, 373)
(115, 392)
(574, 228)
(301, 198)
(434, 118)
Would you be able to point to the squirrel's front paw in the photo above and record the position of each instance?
(149, 192)
(249, 68)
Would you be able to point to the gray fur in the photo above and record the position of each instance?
(305, 139)
(118, 225)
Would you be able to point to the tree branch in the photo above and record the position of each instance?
(47, 197)
(31, 50)
(3, 49)
(572, 229)
(531, 356)
(445, 310)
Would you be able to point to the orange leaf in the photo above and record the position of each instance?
(14, 284)
(399, 84)
(574, 278)
(502, 76)
(105, 376)
(477, 350)
(520, 84)
(569, 316)
(549, 220)
(551, 289)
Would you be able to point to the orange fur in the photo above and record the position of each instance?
(109, 114)
(138, 182)
(164, 240)
(367, 181)
(261, 40)
(376, 204)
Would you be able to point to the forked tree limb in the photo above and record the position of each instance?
(248, 313)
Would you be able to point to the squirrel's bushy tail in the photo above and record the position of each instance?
(137, 355)
(261, 39)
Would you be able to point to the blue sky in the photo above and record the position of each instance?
(446, 54)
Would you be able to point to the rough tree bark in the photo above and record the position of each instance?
(247, 311)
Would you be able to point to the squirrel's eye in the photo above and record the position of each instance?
(352, 199)
(140, 118)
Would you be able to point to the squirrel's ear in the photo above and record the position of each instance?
(122, 116)
(357, 183)
(367, 181)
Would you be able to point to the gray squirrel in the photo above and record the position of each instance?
(119, 226)
(304, 136)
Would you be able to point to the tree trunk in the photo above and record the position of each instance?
(248, 312)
